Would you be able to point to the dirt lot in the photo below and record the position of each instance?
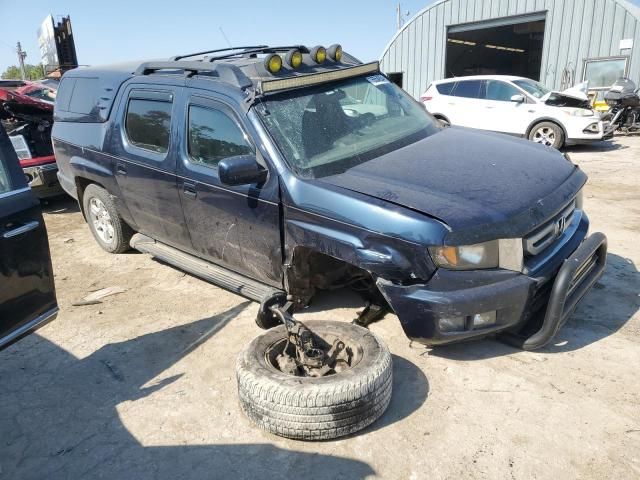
(142, 385)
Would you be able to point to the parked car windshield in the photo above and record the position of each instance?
(532, 87)
(327, 129)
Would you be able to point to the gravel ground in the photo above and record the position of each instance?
(142, 385)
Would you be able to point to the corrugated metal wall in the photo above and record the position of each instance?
(575, 30)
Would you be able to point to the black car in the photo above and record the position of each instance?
(278, 171)
(27, 291)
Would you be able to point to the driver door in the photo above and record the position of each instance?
(27, 291)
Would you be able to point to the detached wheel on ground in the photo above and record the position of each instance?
(547, 133)
(276, 393)
(110, 231)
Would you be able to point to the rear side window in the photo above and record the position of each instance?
(445, 88)
(213, 135)
(85, 96)
(468, 89)
(148, 124)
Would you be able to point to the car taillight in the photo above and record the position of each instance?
(37, 161)
(425, 99)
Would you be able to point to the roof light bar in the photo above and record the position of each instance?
(267, 86)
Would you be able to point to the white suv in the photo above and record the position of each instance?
(517, 106)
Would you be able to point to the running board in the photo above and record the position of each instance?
(220, 276)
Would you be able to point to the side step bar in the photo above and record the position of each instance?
(222, 277)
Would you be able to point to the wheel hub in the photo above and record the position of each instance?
(305, 354)
(545, 136)
(101, 220)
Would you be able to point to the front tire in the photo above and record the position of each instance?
(547, 133)
(105, 223)
(315, 408)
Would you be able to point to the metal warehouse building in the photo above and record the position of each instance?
(559, 42)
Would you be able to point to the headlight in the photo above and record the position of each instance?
(467, 257)
(579, 112)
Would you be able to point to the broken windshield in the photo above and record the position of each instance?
(329, 128)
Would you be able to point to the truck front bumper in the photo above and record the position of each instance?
(529, 308)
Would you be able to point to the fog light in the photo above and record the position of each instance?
(593, 128)
(318, 54)
(452, 324)
(294, 58)
(486, 319)
(335, 52)
(273, 63)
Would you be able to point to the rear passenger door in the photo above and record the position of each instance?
(237, 227)
(27, 291)
(145, 143)
(465, 104)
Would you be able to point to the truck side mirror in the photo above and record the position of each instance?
(518, 99)
(241, 170)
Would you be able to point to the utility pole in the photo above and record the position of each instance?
(400, 17)
(21, 56)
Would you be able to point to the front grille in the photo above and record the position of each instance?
(546, 235)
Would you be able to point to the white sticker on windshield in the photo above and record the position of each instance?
(377, 80)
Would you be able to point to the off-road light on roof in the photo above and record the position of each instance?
(267, 86)
(318, 54)
(273, 63)
(294, 58)
(335, 52)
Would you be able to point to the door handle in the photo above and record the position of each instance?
(121, 169)
(27, 227)
(189, 189)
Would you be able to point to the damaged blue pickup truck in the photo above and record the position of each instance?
(278, 171)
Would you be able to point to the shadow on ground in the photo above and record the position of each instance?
(59, 420)
(603, 146)
(606, 309)
(410, 391)
(59, 205)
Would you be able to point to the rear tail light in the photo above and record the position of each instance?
(425, 99)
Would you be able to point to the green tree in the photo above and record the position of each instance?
(34, 72)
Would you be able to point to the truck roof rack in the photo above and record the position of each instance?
(226, 72)
(255, 50)
(252, 47)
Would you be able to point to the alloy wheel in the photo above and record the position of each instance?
(101, 220)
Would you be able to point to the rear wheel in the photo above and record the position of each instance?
(547, 133)
(106, 225)
(292, 405)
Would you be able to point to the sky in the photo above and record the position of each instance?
(118, 30)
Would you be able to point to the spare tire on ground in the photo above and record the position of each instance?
(345, 400)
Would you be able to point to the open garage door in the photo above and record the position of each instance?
(508, 46)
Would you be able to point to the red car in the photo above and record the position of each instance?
(26, 112)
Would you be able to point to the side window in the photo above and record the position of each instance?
(148, 124)
(445, 88)
(500, 91)
(468, 89)
(213, 135)
(5, 184)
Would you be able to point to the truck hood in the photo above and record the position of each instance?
(481, 185)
